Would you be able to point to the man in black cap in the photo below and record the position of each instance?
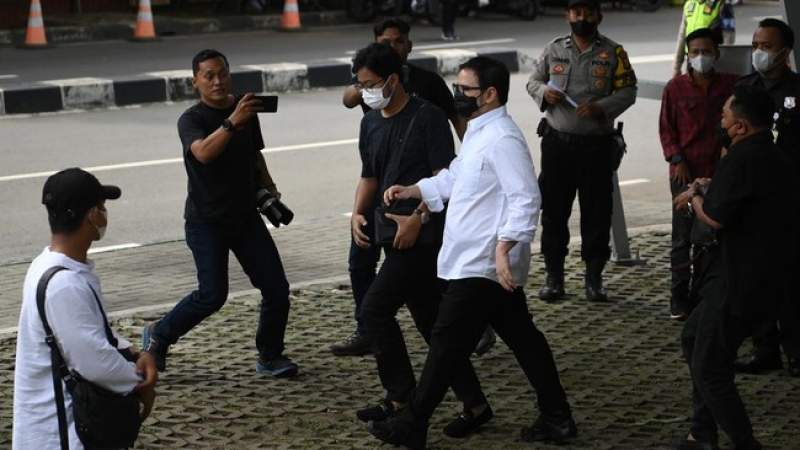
(76, 211)
(582, 82)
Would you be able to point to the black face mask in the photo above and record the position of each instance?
(725, 140)
(465, 106)
(583, 28)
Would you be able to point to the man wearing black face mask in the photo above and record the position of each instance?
(582, 82)
(773, 42)
(745, 284)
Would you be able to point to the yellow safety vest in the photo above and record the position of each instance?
(702, 14)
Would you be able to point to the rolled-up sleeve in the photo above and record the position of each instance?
(77, 324)
(516, 174)
(436, 190)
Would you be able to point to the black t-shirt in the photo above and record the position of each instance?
(785, 94)
(754, 196)
(429, 148)
(223, 190)
(427, 85)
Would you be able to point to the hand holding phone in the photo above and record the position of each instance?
(269, 103)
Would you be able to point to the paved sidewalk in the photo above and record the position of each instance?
(620, 364)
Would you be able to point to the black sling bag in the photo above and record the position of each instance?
(103, 419)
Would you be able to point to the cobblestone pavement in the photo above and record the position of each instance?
(619, 362)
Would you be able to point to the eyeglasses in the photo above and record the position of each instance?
(460, 88)
(367, 85)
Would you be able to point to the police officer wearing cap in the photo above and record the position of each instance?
(773, 42)
(582, 82)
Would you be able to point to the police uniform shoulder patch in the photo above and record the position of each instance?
(624, 75)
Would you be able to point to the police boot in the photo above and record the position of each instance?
(595, 292)
(553, 288)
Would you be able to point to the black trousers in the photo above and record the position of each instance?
(770, 335)
(680, 255)
(408, 277)
(710, 339)
(449, 14)
(467, 307)
(566, 169)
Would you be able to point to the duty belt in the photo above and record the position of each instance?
(573, 139)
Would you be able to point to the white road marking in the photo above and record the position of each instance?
(348, 214)
(112, 248)
(457, 44)
(160, 162)
(664, 57)
(634, 181)
(8, 76)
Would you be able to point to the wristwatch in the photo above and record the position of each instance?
(423, 216)
(676, 159)
(227, 125)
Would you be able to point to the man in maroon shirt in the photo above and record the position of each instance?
(691, 108)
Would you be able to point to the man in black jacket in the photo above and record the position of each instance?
(746, 203)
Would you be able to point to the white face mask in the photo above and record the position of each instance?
(764, 61)
(101, 231)
(702, 63)
(373, 97)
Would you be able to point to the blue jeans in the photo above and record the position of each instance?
(253, 246)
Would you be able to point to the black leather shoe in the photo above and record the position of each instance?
(595, 292)
(553, 288)
(466, 423)
(757, 363)
(552, 429)
(376, 413)
(486, 343)
(354, 345)
(400, 431)
(793, 365)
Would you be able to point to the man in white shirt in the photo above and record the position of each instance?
(75, 202)
(490, 223)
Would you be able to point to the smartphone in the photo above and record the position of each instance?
(269, 103)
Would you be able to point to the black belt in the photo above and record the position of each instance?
(575, 139)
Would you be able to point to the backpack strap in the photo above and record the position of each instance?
(58, 366)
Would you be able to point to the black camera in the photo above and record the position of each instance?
(275, 211)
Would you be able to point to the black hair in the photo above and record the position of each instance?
(65, 222)
(204, 55)
(705, 33)
(753, 104)
(490, 73)
(393, 22)
(380, 59)
(786, 32)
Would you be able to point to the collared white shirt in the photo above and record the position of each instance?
(77, 324)
(493, 195)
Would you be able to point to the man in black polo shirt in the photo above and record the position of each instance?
(222, 144)
(403, 140)
(773, 42)
(746, 203)
(420, 83)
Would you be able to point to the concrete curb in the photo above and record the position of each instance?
(170, 26)
(176, 85)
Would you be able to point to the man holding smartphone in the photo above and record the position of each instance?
(222, 144)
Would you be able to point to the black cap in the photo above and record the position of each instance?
(590, 3)
(70, 193)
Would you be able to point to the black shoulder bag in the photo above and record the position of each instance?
(103, 419)
(385, 228)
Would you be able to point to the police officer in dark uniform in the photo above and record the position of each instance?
(582, 82)
(773, 42)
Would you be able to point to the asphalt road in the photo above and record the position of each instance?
(643, 34)
(317, 165)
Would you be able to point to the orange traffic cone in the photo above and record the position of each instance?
(290, 21)
(34, 35)
(145, 30)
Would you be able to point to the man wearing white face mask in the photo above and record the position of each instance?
(403, 140)
(690, 109)
(773, 42)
